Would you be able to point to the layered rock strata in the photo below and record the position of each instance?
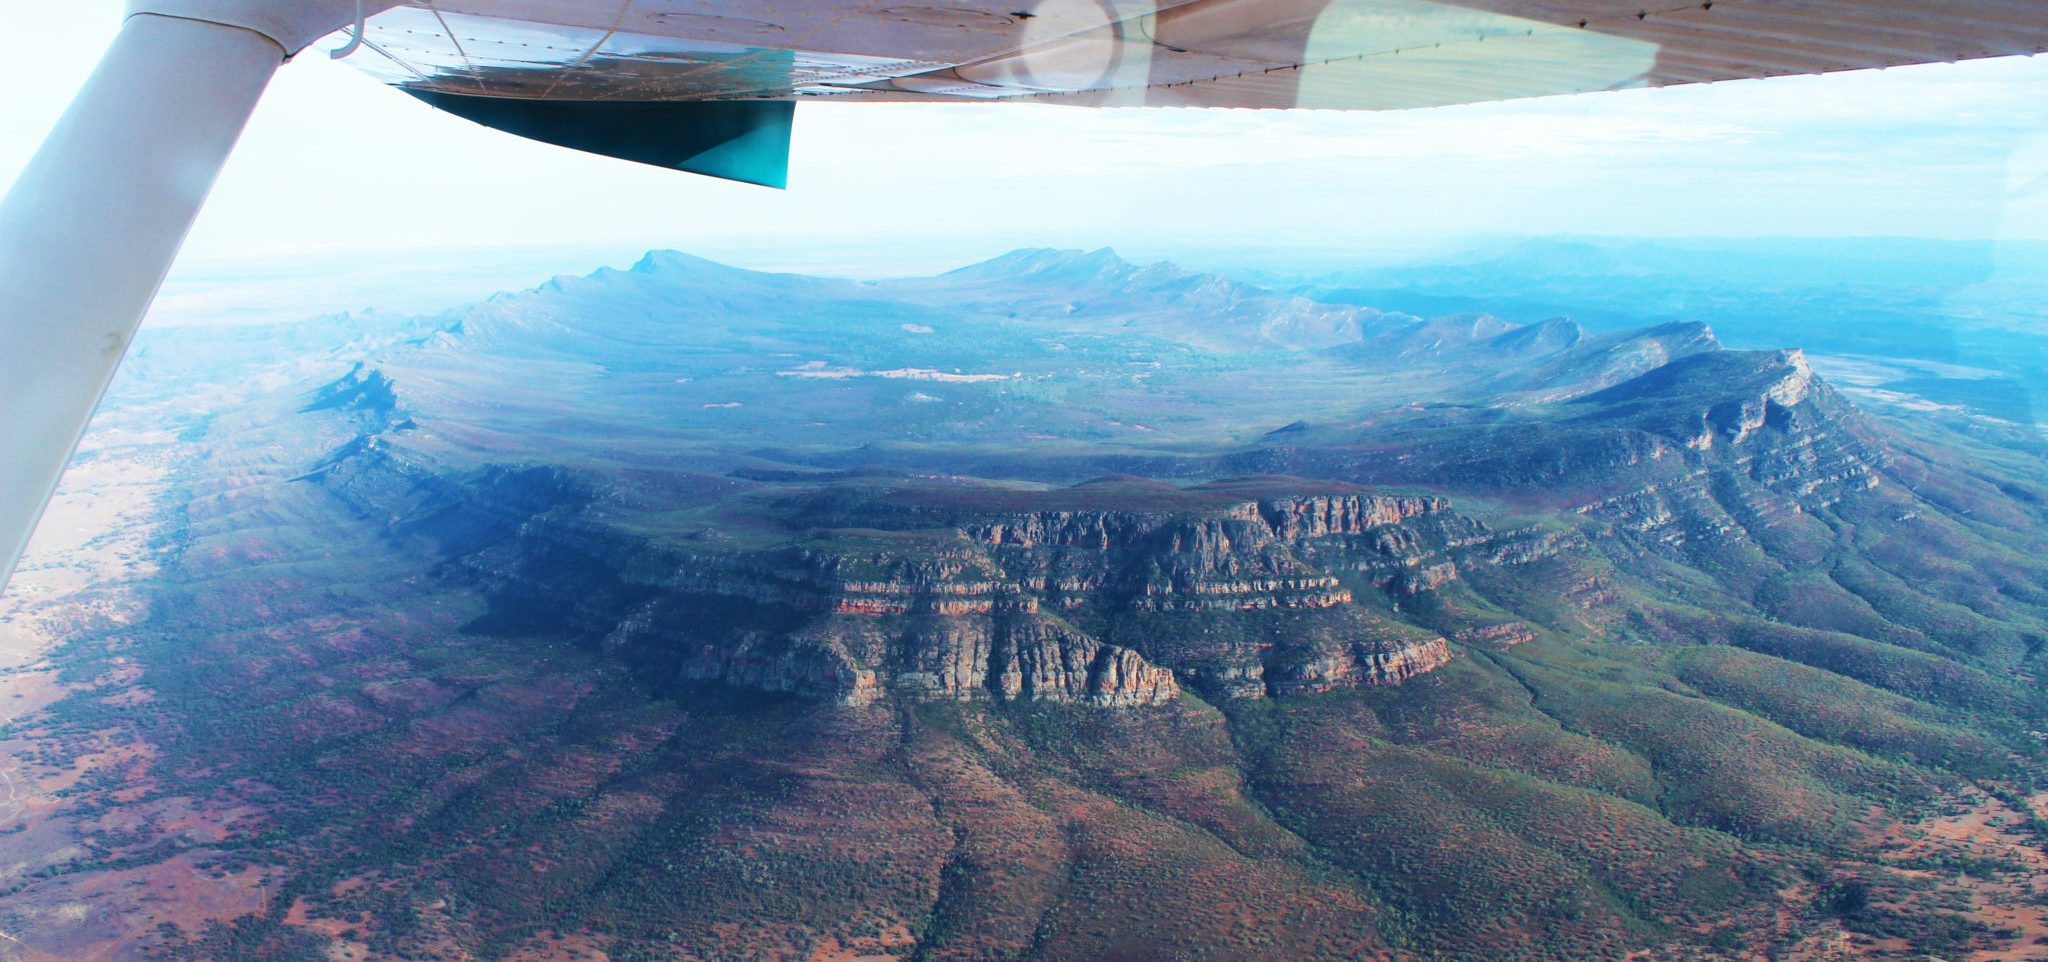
(1774, 443)
(1244, 599)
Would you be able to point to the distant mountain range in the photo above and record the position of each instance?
(1956, 322)
(1055, 608)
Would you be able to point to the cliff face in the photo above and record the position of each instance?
(1294, 519)
(1766, 444)
(990, 610)
(1271, 552)
(1725, 453)
(1242, 597)
(1012, 658)
(1356, 666)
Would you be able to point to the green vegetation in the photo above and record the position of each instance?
(426, 654)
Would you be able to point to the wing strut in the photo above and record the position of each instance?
(90, 228)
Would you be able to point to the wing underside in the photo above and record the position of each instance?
(483, 58)
(1345, 54)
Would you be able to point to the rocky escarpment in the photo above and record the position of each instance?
(1763, 442)
(856, 658)
(1239, 596)
(1498, 636)
(1710, 449)
(1324, 670)
(984, 612)
(1235, 552)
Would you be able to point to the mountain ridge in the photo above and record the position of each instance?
(678, 613)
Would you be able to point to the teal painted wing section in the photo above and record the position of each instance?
(742, 140)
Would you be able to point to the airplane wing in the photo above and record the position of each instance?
(707, 86)
(556, 70)
(1342, 54)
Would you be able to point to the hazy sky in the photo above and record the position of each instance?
(334, 162)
